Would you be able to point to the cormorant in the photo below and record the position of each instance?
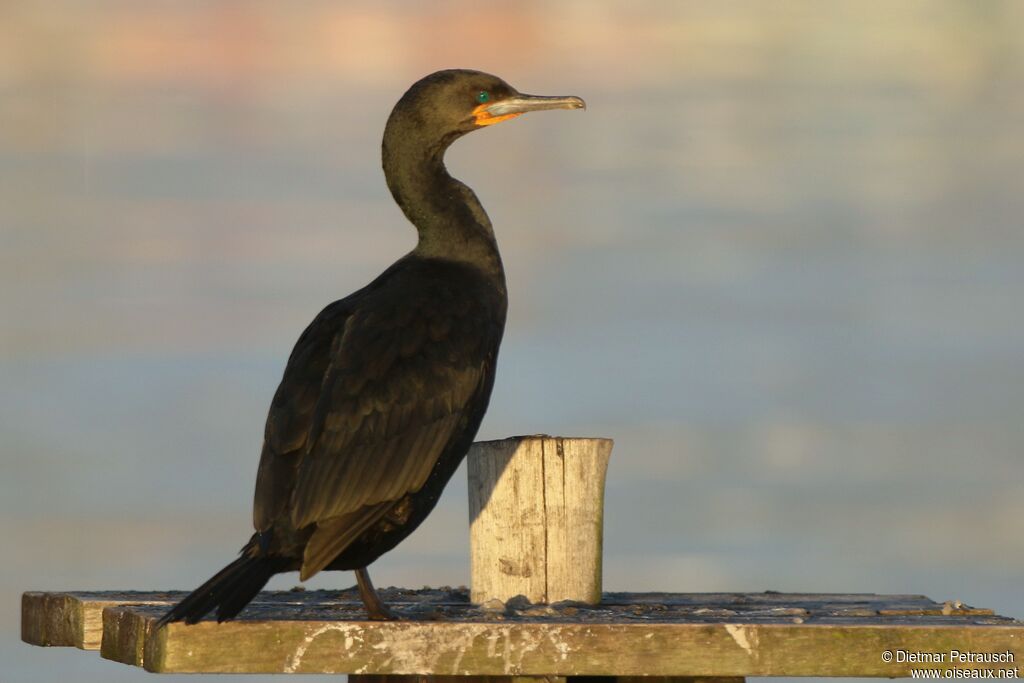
(384, 391)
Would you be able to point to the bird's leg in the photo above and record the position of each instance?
(375, 608)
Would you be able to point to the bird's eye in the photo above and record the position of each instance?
(483, 96)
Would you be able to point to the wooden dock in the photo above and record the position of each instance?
(629, 634)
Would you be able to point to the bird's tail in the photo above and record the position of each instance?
(229, 590)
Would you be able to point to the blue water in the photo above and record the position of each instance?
(778, 259)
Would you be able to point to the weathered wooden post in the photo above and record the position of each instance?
(536, 508)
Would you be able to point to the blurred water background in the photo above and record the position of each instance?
(779, 260)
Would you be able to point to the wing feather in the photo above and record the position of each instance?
(334, 535)
(381, 426)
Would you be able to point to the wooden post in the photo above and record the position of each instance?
(536, 507)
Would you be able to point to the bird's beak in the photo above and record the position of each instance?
(510, 107)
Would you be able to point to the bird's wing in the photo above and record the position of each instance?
(291, 413)
(399, 386)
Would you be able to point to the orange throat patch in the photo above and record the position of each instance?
(483, 118)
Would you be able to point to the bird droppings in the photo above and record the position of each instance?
(295, 661)
(744, 637)
(559, 644)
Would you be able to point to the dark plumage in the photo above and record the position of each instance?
(384, 391)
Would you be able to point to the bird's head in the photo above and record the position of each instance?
(448, 104)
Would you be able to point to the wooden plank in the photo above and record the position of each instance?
(733, 635)
(536, 517)
(75, 619)
(124, 636)
(556, 648)
(661, 634)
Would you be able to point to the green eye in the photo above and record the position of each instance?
(483, 96)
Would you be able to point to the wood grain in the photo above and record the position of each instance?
(536, 508)
(75, 619)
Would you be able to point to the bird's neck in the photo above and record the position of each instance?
(451, 222)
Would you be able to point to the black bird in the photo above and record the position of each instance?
(384, 391)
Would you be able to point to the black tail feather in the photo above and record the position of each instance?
(228, 591)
